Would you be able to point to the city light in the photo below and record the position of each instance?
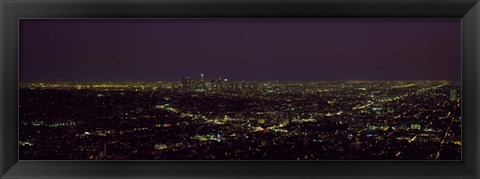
(220, 119)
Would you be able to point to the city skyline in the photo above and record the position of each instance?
(194, 120)
(249, 50)
(240, 89)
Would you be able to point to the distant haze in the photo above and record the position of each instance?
(239, 49)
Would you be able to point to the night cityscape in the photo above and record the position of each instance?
(195, 119)
(240, 89)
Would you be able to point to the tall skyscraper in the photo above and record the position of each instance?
(201, 77)
(187, 84)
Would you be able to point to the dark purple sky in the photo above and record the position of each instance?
(261, 49)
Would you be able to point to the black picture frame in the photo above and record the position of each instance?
(12, 10)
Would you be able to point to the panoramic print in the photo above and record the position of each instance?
(240, 89)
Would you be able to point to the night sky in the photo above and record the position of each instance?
(239, 49)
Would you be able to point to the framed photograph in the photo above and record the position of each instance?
(247, 89)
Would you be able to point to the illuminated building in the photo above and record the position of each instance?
(187, 84)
